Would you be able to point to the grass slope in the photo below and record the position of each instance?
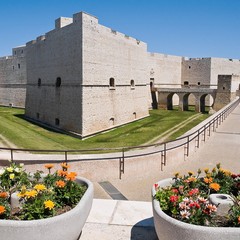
(27, 135)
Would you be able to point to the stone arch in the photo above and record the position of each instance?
(205, 100)
(172, 100)
(185, 102)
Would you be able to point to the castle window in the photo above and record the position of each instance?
(189, 67)
(198, 83)
(58, 82)
(18, 65)
(13, 67)
(39, 82)
(38, 115)
(132, 84)
(112, 83)
(57, 121)
(111, 120)
(185, 83)
(134, 115)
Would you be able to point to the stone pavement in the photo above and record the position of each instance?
(125, 220)
(119, 220)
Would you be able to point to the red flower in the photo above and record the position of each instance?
(194, 204)
(156, 186)
(193, 191)
(173, 198)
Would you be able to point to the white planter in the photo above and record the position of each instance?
(168, 228)
(67, 226)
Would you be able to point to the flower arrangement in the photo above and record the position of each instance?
(39, 196)
(187, 199)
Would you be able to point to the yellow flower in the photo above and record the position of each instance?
(218, 165)
(12, 176)
(214, 186)
(9, 169)
(40, 187)
(31, 194)
(176, 174)
(49, 204)
(206, 170)
(22, 193)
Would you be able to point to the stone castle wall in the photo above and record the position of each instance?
(54, 70)
(85, 78)
(108, 54)
(13, 79)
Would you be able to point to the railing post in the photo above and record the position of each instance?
(121, 164)
(187, 148)
(163, 156)
(11, 155)
(209, 129)
(204, 133)
(66, 156)
(198, 137)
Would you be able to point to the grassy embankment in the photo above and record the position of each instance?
(25, 134)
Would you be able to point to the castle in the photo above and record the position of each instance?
(85, 78)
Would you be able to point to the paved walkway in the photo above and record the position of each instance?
(125, 220)
(132, 220)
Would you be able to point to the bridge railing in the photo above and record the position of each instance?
(201, 133)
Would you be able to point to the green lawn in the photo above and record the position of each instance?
(24, 134)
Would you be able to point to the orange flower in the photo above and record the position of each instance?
(214, 186)
(2, 210)
(192, 179)
(62, 173)
(65, 166)
(49, 166)
(3, 194)
(60, 184)
(71, 176)
(208, 180)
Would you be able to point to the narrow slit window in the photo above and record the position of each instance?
(112, 83)
(58, 82)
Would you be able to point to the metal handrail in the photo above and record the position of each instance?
(122, 153)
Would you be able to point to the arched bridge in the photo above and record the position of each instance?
(165, 97)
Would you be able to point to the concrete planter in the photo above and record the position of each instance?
(169, 228)
(65, 226)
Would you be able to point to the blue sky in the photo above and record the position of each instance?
(192, 28)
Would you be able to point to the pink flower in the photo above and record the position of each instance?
(156, 186)
(183, 205)
(202, 200)
(186, 200)
(185, 214)
(174, 190)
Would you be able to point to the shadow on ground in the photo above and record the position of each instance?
(144, 230)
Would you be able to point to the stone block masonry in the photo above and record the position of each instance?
(86, 78)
